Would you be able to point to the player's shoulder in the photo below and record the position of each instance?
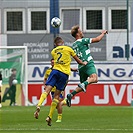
(83, 39)
(49, 69)
(66, 47)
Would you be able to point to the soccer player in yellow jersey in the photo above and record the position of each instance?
(61, 99)
(58, 76)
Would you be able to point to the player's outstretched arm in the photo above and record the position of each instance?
(99, 38)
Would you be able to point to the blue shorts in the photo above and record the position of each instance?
(57, 79)
(52, 94)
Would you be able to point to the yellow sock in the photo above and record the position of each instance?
(42, 98)
(59, 116)
(53, 107)
(64, 102)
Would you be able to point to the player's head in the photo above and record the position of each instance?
(58, 41)
(76, 32)
(52, 62)
(14, 71)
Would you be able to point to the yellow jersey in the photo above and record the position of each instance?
(62, 58)
(46, 75)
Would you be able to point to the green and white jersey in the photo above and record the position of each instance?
(82, 49)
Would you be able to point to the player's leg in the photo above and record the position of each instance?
(92, 76)
(54, 104)
(87, 76)
(49, 85)
(41, 100)
(72, 94)
(44, 95)
(62, 102)
(14, 95)
(11, 94)
(60, 86)
(83, 77)
(59, 110)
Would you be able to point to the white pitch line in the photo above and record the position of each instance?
(64, 129)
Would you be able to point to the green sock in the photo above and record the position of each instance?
(73, 93)
(86, 83)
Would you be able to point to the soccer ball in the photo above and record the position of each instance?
(14, 82)
(55, 22)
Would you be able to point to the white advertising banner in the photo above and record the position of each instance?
(107, 72)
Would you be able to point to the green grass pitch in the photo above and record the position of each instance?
(76, 119)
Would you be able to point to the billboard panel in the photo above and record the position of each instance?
(96, 95)
(107, 72)
(39, 45)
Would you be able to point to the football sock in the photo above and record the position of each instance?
(42, 98)
(53, 107)
(59, 116)
(64, 102)
(73, 93)
(86, 83)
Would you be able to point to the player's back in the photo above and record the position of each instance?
(62, 58)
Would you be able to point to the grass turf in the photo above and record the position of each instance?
(75, 120)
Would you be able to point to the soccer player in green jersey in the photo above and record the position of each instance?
(87, 73)
(58, 76)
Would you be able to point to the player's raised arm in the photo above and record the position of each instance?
(99, 38)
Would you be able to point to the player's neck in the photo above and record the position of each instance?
(78, 38)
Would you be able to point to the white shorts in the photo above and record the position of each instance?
(0, 83)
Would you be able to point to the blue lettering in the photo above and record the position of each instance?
(37, 70)
(131, 73)
(102, 72)
(119, 72)
(132, 51)
(118, 52)
(75, 74)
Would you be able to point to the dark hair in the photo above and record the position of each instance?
(74, 30)
(14, 69)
